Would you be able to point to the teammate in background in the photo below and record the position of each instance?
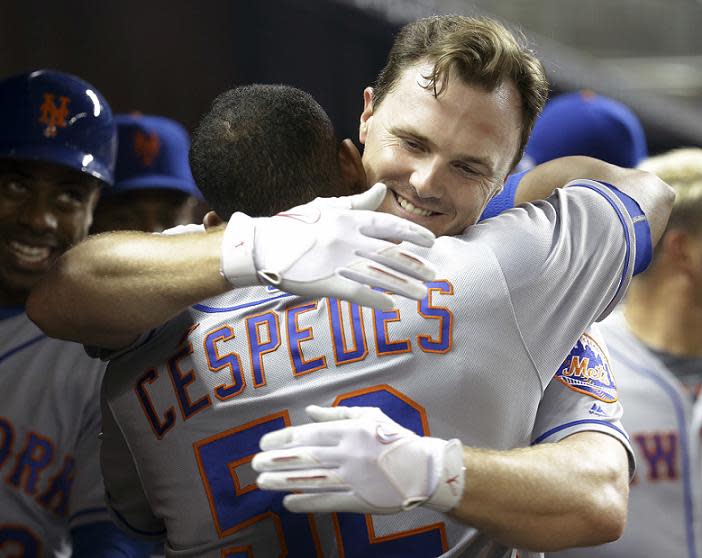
(656, 347)
(654, 341)
(462, 136)
(52, 166)
(154, 189)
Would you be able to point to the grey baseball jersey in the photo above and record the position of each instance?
(185, 407)
(49, 448)
(664, 503)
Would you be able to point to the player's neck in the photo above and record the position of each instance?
(666, 316)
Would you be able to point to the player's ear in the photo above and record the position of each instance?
(366, 114)
(353, 176)
(212, 220)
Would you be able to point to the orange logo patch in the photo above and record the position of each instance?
(146, 147)
(586, 370)
(53, 116)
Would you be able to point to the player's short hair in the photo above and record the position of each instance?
(481, 50)
(262, 149)
(682, 169)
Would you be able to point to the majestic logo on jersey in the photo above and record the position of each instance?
(586, 369)
(597, 410)
(53, 116)
(146, 147)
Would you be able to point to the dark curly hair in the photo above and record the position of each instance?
(262, 149)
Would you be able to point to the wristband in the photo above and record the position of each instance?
(449, 491)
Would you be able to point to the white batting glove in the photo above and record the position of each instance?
(356, 459)
(337, 247)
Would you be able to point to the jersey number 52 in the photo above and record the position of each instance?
(236, 506)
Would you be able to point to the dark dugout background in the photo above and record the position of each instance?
(172, 57)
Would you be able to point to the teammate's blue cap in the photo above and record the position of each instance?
(56, 117)
(153, 153)
(585, 123)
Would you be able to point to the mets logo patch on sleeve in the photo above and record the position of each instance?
(586, 369)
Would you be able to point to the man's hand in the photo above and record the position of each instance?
(356, 459)
(336, 247)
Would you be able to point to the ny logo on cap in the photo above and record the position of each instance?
(53, 116)
(146, 147)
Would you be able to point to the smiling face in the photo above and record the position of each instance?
(442, 158)
(44, 210)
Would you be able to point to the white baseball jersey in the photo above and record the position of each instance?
(185, 407)
(49, 447)
(664, 504)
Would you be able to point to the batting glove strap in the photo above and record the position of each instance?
(237, 260)
(427, 471)
(450, 474)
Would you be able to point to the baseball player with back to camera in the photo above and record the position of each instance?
(436, 149)
(154, 189)
(57, 150)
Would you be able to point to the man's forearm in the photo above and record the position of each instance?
(110, 288)
(549, 497)
(541, 498)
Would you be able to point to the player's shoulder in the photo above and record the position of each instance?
(619, 337)
(21, 337)
(458, 249)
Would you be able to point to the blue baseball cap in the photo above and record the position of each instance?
(52, 116)
(585, 123)
(152, 154)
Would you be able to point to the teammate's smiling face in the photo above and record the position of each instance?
(443, 157)
(44, 209)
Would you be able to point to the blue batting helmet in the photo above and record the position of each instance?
(585, 123)
(56, 117)
(153, 153)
